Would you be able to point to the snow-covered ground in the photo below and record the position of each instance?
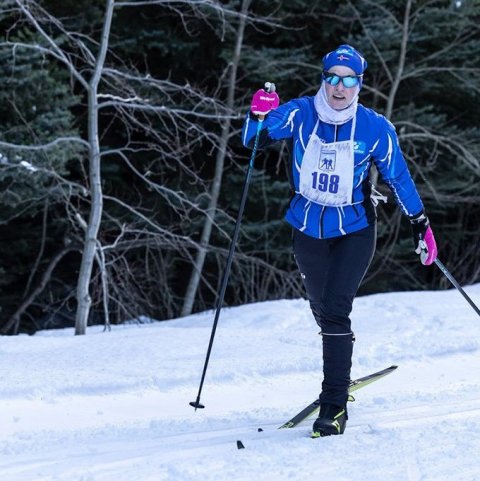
(115, 406)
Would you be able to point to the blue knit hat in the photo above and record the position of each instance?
(345, 55)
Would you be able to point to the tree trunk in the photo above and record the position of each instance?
(83, 294)
(219, 165)
(401, 61)
(398, 75)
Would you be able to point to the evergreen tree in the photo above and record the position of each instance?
(35, 108)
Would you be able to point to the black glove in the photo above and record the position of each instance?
(419, 225)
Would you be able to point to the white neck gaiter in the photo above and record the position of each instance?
(332, 116)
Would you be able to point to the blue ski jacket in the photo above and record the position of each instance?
(375, 140)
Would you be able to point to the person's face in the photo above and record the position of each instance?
(339, 96)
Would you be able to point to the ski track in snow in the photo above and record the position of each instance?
(114, 406)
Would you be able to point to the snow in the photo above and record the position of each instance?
(28, 166)
(115, 406)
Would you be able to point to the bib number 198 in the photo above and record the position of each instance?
(324, 182)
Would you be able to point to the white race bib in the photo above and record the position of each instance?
(326, 175)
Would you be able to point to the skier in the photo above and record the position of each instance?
(334, 142)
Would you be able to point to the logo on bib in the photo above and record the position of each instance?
(327, 160)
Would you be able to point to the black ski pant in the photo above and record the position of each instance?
(332, 270)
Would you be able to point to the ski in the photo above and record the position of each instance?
(356, 384)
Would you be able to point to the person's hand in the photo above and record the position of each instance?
(264, 100)
(423, 239)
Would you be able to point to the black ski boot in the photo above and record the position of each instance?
(331, 420)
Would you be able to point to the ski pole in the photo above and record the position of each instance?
(457, 285)
(196, 404)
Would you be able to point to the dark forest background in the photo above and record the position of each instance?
(176, 84)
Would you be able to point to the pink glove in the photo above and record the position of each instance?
(423, 239)
(263, 102)
(427, 248)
